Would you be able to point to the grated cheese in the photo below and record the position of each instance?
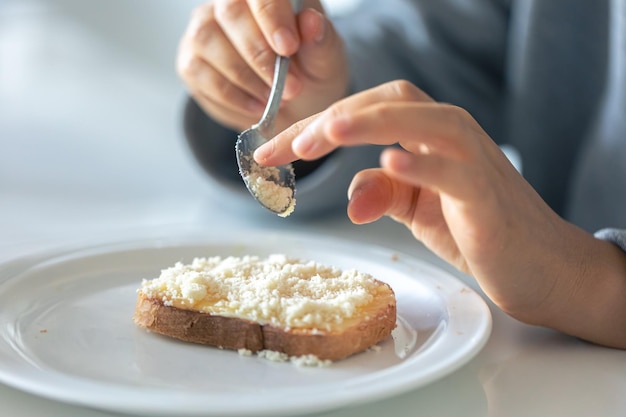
(277, 198)
(304, 360)
(264, 182)
(276, 290)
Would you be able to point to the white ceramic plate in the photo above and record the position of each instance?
(66, 333)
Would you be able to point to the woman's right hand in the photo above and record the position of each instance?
(453, 188)
(226, 58)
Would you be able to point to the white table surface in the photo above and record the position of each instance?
(91, 148)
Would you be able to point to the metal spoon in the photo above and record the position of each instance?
(272, 187)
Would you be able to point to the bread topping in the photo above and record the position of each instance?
(276, 290)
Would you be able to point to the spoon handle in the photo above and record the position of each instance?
(266, 125)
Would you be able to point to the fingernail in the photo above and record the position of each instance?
(285, 41)
(262, 153)
(192, 66)
(351, 190)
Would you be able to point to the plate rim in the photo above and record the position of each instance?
(356, 396)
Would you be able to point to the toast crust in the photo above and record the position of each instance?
(373, 325)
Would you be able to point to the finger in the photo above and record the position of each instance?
(471, 200)
(277, 22)
(235, 120)
(374, 193)
(206, 40)
(250, 44)
(313, 141)
(203, 80)
(370, 195)
(459, 180)
(339, 125)
(321, 46)
(418, 127)
(278, 150)
(225, 103)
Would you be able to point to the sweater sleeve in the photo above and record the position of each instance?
(616, 236)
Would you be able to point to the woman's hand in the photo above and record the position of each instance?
(450, 184)
(226, 58)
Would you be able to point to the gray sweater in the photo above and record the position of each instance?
(547, 77)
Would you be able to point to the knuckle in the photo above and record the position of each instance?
(459, 113)
(200, 12)
(225, 91)
(200, 34)
(187, 67)
(242, 74)
(265, 8)
(405, 90)
(200, 30)
(464, 120)
(201, 26)
(382, 111)
(458, 118)
(334, 112)
(229, 10)
(464, 131)
(260, 56)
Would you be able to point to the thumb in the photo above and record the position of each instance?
(370, 196)
(373, 194)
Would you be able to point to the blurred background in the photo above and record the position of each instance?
(91, 139)
(89, 117)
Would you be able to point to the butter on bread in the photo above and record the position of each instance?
(275, 304)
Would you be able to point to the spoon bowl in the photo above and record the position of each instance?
(274, 187)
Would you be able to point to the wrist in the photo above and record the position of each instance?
(587, 296)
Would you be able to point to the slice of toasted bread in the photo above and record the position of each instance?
(277, 304)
